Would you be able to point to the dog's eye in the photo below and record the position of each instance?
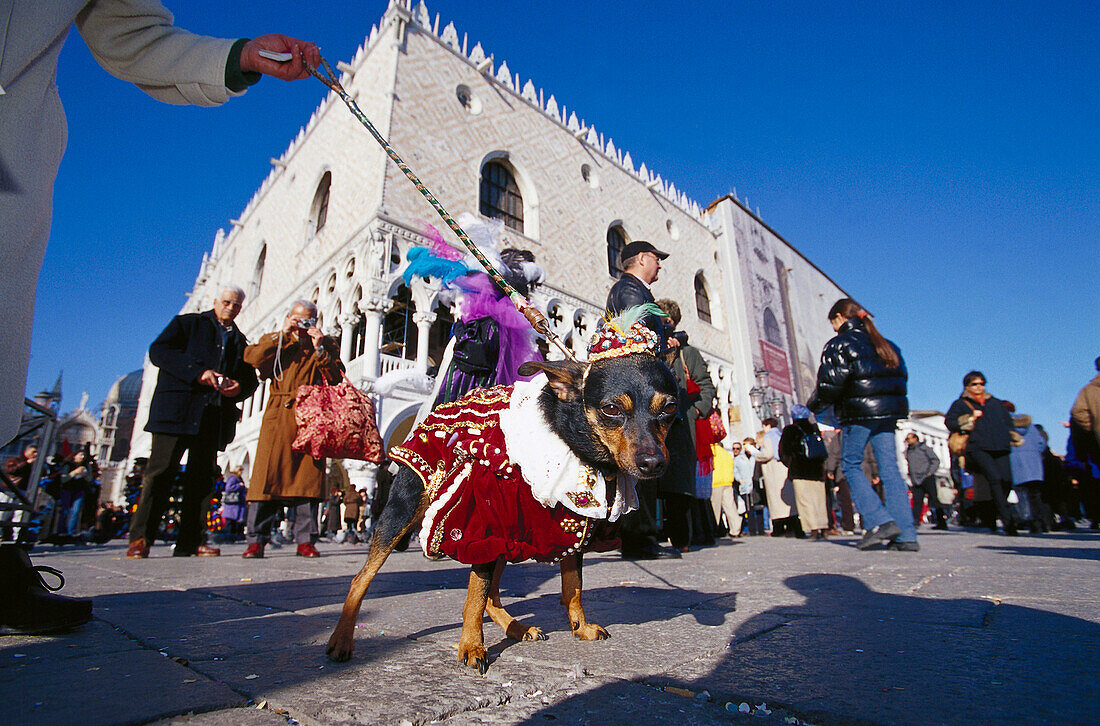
(669, 410)
(610, 409)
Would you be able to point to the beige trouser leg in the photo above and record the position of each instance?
(723, 499)
(809, 495)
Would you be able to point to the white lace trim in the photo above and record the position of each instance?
(550, 467)
(435, 507)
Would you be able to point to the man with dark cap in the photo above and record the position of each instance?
(641, 263)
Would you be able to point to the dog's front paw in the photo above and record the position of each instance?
(340, 646)
(590, 631)
(534, 633)
(526, 633)
(474, 656)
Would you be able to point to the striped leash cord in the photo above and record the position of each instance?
(533, 314)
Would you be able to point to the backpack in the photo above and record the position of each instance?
(811, 447)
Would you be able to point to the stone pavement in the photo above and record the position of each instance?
(975, 628)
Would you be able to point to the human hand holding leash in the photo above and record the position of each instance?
(267, 54)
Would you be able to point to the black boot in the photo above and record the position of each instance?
(27, 604)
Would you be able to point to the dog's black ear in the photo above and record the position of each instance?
(566, 377)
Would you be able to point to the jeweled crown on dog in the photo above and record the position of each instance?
(622, 335)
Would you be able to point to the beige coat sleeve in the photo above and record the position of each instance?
(765, 453)
(136, 41)
(1080, 413)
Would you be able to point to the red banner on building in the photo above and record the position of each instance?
(775, 363)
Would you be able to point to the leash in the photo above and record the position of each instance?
(533, 314)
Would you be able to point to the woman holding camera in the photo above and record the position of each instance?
(863, 376)
(297, 355)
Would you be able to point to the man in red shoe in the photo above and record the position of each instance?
(202, 378)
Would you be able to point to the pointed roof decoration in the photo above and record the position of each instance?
(529, 92)
(503, 75)
(484, 64)
(477, 54)
(421, 16)
(450, 37)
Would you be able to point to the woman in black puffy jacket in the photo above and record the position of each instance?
(863, 377)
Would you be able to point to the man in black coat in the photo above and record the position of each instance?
(641, 263)
(194, 409)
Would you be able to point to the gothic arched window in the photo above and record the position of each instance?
(318, 210)
(702, 299)
(398, 329)
(499, 196)
(772, 333)
(616, 240)
(258, 273)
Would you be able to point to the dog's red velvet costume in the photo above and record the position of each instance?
(482, 506)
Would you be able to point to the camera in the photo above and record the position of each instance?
(307, 323)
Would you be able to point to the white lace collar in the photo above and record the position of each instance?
(555, 474)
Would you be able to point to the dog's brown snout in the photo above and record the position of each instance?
(650, 464)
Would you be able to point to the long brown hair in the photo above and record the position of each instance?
(849, 308)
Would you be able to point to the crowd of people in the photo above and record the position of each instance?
(807, 479)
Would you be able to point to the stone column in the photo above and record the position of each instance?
(363, 477)
(347, 325)
(423, 328)
(725, 390)
(374, 309)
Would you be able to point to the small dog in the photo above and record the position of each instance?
(612, 414)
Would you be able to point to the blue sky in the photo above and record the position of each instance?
(939, 160)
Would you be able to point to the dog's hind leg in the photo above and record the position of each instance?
(513, 628)
(471, 645)
(571, 581)
(404, 507)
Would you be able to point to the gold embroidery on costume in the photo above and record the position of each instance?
(571, 525)
(436, 479)
(581, 499)
(410, 457)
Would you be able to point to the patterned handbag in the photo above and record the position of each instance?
(336, 421)
(716, 426)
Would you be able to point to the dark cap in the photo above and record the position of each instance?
(638, 247)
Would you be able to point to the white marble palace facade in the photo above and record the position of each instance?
(334, 218)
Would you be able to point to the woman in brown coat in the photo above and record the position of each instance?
(298, 355)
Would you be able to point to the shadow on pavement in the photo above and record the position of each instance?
(850, 654)
(1079, 553)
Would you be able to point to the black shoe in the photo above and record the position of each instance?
(942, 526)
(903, 546)
(885, 532)
(27, 603)
(652, 553)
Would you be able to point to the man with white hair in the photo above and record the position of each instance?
(194, 409)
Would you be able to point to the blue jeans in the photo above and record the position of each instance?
(871, 509)
(71, 516)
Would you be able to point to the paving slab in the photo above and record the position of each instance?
(973, 628)
(113, 688)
